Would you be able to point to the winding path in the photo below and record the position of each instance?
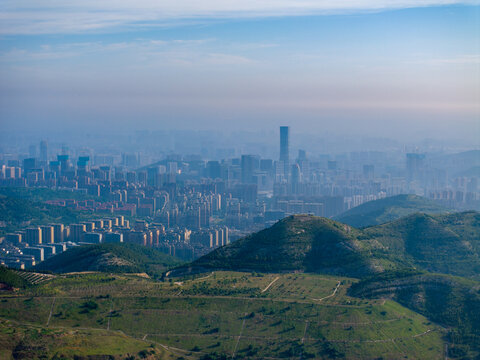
(51, 311)
(331, 295)
(273, 282)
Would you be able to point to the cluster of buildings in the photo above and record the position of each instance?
(27, 247)
(198, 203)
(325, 184)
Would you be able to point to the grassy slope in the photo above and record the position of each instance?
(388, 209)
(128, 258)
(28, 341)
(450, 301)
(298, 242)
(447, 243)
(298, 316)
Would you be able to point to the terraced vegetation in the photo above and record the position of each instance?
(216, 315)
(33, 277)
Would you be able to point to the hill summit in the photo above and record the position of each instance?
(445, 243)
(296, 243)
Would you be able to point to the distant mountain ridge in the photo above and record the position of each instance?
(388, 209)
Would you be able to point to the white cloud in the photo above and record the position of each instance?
(141, 51)
(76, 16)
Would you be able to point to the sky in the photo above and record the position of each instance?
(393, 68)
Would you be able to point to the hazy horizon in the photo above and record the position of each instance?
(356, 68)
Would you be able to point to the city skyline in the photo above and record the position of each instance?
(187, 205)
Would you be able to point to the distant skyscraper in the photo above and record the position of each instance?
(285, 149)
(153, 175)
(249, 164)
(415, 166)
(29, 164)
(43, 151)
(213, 169)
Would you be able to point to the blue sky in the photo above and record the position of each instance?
(384, 67)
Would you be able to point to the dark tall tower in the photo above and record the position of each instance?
(284, 148)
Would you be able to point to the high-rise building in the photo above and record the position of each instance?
(47, 234)
(249, 165)
(152, 176)
(33, 235)
(64, 163)
(43, 151)
(285, 148)
(29, 164)
(77, 231)
(58, 232)
(415, 166)
(213, 169)
(82, 162)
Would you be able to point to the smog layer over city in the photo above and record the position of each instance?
(239, 179)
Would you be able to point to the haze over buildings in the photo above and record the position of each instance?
(188, 204)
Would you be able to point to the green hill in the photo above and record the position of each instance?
(447, 243)
(388, 209)
(300, 243)
(115, 258)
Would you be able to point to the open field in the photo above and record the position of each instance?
(230, 314)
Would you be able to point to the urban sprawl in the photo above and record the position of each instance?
(186, 205)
